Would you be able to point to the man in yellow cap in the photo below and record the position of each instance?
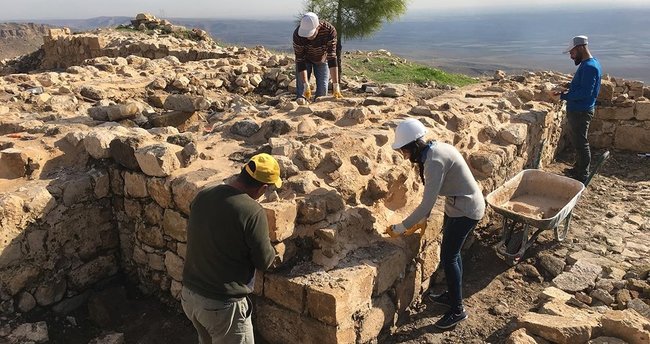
(227, 239)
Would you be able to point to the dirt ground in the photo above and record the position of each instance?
(495, 293)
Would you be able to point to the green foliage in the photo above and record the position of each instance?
(393, 70)
(357, 18)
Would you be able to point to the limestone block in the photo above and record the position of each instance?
(276, 324)
(50, 292)
(122, 150)
(26, 302)
(521, 336)
(642, 111)
(348, 290)
(285, 290)
(97, 144)
(156, 262)
(121, 111)
(316, 206)
(135, 185)
(514, 133)
(393, 90)
(391, 264)
(78, 190)
(245, 128)
(609, 113)
(185, 187)
(315, 332)
(636, 139)
(160, 190)
(101, 181)
(175, 225)
(380, 315)
(181, 249)
(178, 119)
(151, 236)
(153, 213)
(356, 115)
(186, 103)
(13, 162)
(281, 218)
(557, 329)
(158, 160)
(174, 265)
(553, 293)
(30, 333)
(627, 325)
(606, 91)
(132, 208)
(603, 296)
(92, 272)
(581, 276)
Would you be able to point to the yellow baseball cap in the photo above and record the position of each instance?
(264, 168)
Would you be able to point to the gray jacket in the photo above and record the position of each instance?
(446, 173)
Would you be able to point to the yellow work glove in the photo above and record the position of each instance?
(395, 230)
(307, 91)
(336, 88)
(418, 226)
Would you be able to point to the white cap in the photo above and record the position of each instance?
(576, 41)
(308, 25)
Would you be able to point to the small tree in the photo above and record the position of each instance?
(356, 18)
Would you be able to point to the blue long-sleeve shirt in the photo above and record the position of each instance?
(584, 87)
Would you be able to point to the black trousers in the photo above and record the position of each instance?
(579, 129)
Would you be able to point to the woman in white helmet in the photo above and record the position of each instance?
(443, 171)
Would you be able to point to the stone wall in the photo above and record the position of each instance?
(622, 118)
(58, 239)
(63, 49)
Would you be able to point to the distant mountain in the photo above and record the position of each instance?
(20, 38)
(85, 24)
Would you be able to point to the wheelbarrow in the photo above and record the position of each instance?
(532, 202)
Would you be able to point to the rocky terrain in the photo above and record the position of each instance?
(109, 136)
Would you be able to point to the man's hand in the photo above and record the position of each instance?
(307, 91)
(336, 88)
(395, 230)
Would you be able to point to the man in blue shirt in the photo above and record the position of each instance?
(580, 103)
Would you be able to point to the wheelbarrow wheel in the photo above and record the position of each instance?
(513, 247)
(560, 234)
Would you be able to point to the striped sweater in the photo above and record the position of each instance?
(320, 49)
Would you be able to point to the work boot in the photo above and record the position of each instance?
(451, 318)
(440, 299)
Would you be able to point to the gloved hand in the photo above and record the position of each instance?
(416, 227)
(308, 91)
(336, 88)
(395, 230)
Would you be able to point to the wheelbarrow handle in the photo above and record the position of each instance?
(597, 167)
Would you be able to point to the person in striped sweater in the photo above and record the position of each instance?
(314, 44)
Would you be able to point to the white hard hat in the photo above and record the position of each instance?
(408, 131)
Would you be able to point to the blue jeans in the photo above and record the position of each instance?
(454, 232)
(322, 73)
(579, 125)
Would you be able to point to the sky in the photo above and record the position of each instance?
(251, 9)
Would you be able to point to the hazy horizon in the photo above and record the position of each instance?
(26, 10)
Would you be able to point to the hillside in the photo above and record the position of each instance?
(19, 39)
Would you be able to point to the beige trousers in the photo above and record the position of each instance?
(219, 322)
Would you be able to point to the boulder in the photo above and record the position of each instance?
(158, 160)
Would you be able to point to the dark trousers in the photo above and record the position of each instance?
(454, 232)
(579, 125)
